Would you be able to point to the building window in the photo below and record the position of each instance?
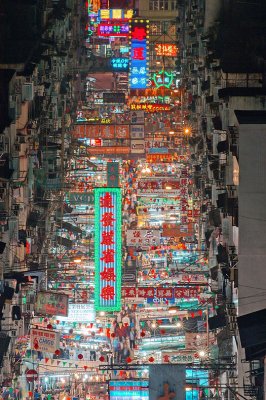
(159, 27)
(160, 5)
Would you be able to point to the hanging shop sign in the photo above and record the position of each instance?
(49, 303)
(175, 230)
(128, 390)
(159, 184)
(113, 29)
(161, 293)
(143, 237)
(163, 79)
(82, 131)
(44, 340)
(137, 146)
(108, 249)
(166, 49)
(80, 198)
(79, 313)
(112, 174)
(114, 97)
(139, 66)
(158, 193)
(152, 107)
(137, 131)
(111, 150)
(137, 117)
(162, 158)
(119, 64)
(115, 13)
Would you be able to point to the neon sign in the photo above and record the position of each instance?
(163, 79)
(150, 107)
(115, 14)
(117, 29)
(166, 49)
(120, 63)
(139, 66)
(107, 249)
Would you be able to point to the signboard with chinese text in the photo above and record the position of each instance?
(143, 237)
(128, 390)
(161, 293)
(109, 150)
(108, 249)
(152, 107)
(178, 357)
(166, 49)
(101, 131)
(137, 131)
(139, 66)
(137, 117)
(79, 313)
(137, 146)
(44, 340)
(116, 13)
(113, 29)
(120, 64)
(50, 303)
(112, 174)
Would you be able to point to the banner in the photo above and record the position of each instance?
(50, 303)
(143, 237)
(44, 340)
(112, 174)
(108, 223)
(167, 381)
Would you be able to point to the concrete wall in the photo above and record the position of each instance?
(252, 218)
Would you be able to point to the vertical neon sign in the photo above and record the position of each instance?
(139, 66)
(108, 249)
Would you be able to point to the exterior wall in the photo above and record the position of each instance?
(252, 218)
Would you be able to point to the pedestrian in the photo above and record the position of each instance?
(132, 336)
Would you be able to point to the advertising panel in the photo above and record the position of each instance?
(112, 174)
(79, 313)
(150, 107)
(137, 131)
(44, 340)
(166, 49)
(137, 117)
(80, 198)
(113, 29)
(108, 249)
(161, 293)
(49, 303)
(143, 237)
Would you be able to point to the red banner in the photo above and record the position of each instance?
(101, 131)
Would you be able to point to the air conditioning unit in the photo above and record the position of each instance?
(27, 91)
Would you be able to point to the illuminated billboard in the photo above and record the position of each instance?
(166, 49)
(107, 249)
(129, 390)
(139, 66)
(111, 29)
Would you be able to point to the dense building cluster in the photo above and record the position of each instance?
(132, 193)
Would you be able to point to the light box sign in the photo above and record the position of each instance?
(152, 107)
(139, 66)
(49, 303)
(109, 29)
(129, 390)
(120, 64)
(44, 340)
(108, 249)
(115, 13)
(166, 49)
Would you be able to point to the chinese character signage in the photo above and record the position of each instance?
(80, 312)
(112, 174)
(106, 14)
(119, 64)
(114, 97)
(107, 249)
(117, 29)
(128, 390)
(143, 237)
(166, 49)
(150, 107)
(88, 131)
(161, 292)
(139, 66)
(44, 340)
